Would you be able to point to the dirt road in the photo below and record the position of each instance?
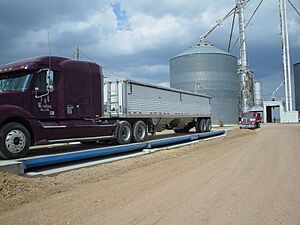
(249, 177)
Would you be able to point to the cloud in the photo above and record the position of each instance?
(136, 39)
(269, 85)
(294, 31)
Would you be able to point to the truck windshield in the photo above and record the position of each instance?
(249, 115)
(14, 82)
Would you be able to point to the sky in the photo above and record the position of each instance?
(136, 39)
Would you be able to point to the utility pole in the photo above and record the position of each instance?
(245, 80)
(286, 57)
(76, 53)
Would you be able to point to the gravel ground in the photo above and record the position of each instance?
(247, 177)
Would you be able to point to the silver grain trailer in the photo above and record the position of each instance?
(154, 108)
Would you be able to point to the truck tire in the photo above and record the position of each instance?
(123, 133)
(208, 125)
(14, 141)
(200, 125)
(197, 127)
(139, 131)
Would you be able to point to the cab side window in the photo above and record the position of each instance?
(41, 81)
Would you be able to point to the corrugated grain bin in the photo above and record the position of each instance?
(258, 99)
(204, 68)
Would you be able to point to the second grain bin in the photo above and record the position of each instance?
(258, 99)
(204, 68)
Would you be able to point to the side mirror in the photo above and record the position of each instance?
(49, 80)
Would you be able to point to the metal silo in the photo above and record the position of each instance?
(297, 85)
(258, 99)
(204, 68)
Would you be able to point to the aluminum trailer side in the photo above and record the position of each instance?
(155, 106)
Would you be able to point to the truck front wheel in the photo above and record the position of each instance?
(14, 141)
(123, 133)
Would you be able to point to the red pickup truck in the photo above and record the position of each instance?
(250, 120)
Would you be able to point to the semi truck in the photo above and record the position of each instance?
(250, 120)
(51, 99)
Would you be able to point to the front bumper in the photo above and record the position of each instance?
(247, 126)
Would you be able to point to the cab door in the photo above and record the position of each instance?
(44, 96)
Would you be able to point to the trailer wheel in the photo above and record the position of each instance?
(208, 125)
(123, 133)
(197, 126)
(200, 125)
(139, 131)
(14, 141)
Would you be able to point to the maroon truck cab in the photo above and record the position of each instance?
(250, 120)
(50, 99)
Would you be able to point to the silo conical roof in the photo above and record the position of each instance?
(203, 48)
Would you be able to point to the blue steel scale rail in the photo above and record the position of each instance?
(93, 153)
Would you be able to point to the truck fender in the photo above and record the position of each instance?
(11, 113)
